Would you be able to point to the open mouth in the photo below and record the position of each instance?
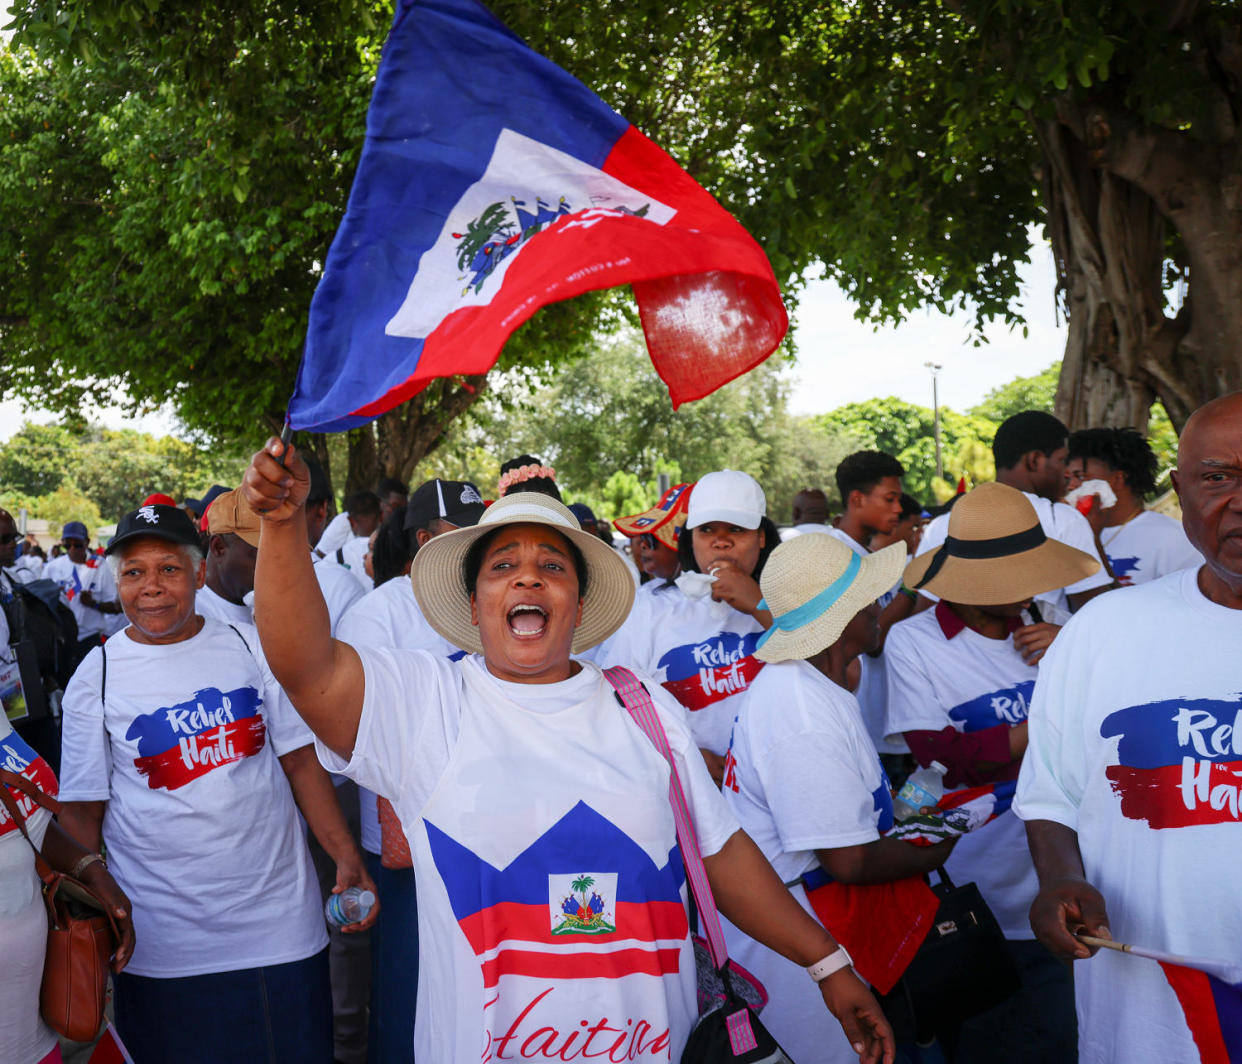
(527, 620)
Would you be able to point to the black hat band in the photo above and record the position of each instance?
(980, 549)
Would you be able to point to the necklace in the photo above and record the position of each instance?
(1117, 529)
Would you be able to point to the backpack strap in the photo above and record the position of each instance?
(634, 697)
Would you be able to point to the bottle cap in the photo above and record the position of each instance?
(938, 767)
(366, 898)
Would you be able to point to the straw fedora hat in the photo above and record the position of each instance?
(438, 573)
(996, 553)
(814, 585)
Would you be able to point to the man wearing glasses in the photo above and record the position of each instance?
(87, 586)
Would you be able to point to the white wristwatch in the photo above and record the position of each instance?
(834, 962)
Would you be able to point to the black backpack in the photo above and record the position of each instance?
(37, 613)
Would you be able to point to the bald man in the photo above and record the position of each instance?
(1132, 785)
(810, 513)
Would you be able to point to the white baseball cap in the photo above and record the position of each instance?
(729, 496)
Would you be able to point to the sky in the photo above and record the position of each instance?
(840, 360)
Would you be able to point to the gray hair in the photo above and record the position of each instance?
(193, 555)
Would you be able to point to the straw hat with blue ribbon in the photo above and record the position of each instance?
(996, 553)
(814, 585)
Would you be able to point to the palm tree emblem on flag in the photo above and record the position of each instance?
(583, 910)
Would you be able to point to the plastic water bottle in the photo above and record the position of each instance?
(349, 907)
(924, 788)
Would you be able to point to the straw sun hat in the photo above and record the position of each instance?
(996, 553)
(814, 585)
(438, 573)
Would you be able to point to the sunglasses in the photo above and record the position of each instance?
(10, 537)
(69, 544)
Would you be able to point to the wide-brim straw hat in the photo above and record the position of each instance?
(439, 579)
(814, 585)
(997, 553)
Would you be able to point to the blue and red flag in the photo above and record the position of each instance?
(1211, 998)
(493, 183)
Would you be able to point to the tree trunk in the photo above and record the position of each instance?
(1112, 188)
(393, 444)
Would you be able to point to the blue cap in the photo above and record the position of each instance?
(582, 512)
(75, 530)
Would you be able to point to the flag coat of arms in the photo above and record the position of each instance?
(492, 183)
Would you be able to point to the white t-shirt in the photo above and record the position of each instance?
(970, 682)
(94, 576)
(389, 617)
(201, 827)
(801, 775)
(208, 604)
(27, 568)
(24, 1037)
(339, 589)
(353, 558)
(1148, 546)
(1059, 522)
(550, 888)
(1133, 745)
(804, 528)
(700, 651)
(337, 533)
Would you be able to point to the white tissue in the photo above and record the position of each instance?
(696, 585)
(1108, 498)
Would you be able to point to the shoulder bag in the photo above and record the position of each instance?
(728, 1031)
(82, 935)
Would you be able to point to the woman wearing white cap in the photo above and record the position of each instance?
(551, 891)
(802, 775)
(701, 648)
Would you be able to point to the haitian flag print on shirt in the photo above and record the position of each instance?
(178, 744)
(699, 674)
(583, 901)
(1124, 569)
(492, 183)
(1006, 706)
(1180, 760)
(18, 756)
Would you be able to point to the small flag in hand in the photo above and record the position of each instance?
(493, 183)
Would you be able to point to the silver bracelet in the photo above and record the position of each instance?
(85, 863)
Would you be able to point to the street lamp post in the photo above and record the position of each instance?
(935, 370)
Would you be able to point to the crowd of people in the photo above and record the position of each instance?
(246, 708)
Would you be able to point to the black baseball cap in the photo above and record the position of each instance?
(162, 522)
(456, 501)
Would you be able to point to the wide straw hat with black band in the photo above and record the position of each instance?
(814, 585)
(996, 553)
(439, 578)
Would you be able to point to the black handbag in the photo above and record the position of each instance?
(962, 969)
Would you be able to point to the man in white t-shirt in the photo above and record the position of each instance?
(810, 514)
(1129, 787)
(87, 585)
(389, 617)
(1030, 449)
(1141, 544)
(340, 589)
(182, 753)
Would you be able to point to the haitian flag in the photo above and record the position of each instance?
(957, 813)
(493, 183)
(1211, 998)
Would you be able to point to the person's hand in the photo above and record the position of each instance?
(87, 599)
(276, 492)
(1033, 640)
(99, 879)
(1064, 908)
(860, 1016)
(352, 872)
(735, 587)
(715, 765)
(1092, 508)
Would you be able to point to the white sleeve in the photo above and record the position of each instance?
(933, 534)
(713, 819)
(335, 536)
(86, 753)
(1054, 770)
(286, 729)
(362, 624)
(403, 743)
(1074, 531)
(340, 590)
(816, 792)
(911, 704)
(630, 645)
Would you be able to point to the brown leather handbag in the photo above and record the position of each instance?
(82, 934)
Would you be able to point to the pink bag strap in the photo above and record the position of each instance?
(635, 697)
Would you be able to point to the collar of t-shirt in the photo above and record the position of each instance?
(542, 697)
(953, 625)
